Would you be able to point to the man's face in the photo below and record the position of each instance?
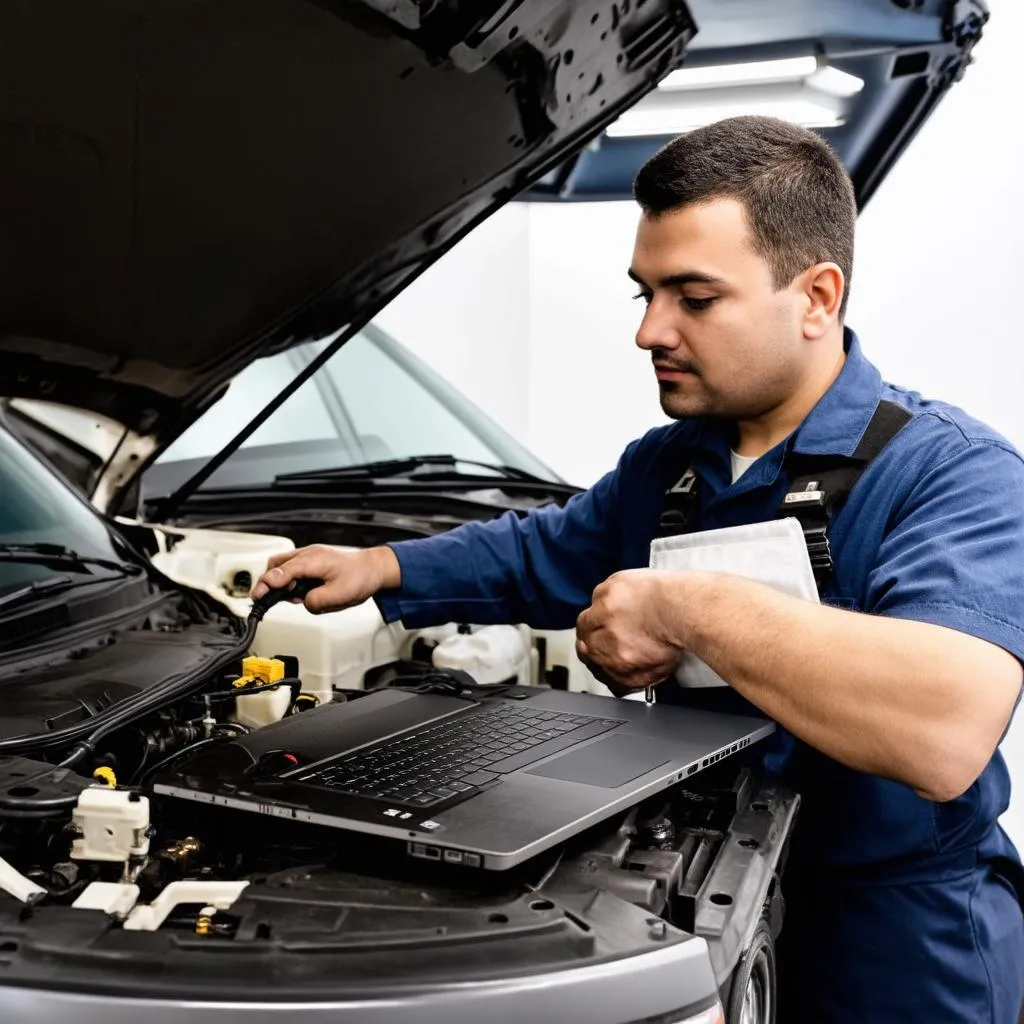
(723, 340)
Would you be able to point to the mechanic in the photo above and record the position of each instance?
(894, 693)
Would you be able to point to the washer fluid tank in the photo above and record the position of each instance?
(492, 654)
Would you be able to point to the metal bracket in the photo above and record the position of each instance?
(407, 13)
(218, 894)
(818, 549)
(964, 22)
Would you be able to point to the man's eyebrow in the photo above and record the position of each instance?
(674, 280)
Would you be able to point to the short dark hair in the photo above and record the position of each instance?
(799, 199)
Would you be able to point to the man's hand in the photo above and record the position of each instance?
(350, 577)
(625, 635)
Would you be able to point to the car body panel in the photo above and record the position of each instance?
(907, 53)
(190, 185)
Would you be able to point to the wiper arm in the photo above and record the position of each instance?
(37, 588)
(435, 466)
(62, 557)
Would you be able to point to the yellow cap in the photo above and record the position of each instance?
(259, 671)
(266, 670)
(105, 774)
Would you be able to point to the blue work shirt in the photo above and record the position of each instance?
(898, 908)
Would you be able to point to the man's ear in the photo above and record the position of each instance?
(823, 286)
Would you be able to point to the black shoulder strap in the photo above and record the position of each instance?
(821, 484)
(889, 419)
(679, 506)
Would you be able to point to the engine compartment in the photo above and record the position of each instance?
(122, 889)
(340, 649)
(302, 912)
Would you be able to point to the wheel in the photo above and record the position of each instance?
(752, 999)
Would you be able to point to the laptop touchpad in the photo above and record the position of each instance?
(610, 763)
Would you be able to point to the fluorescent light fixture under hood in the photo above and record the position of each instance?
(762, 71)
(799, 90)
(686, 117)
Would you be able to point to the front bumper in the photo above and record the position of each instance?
(669, 985)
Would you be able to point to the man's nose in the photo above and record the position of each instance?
(657, 330)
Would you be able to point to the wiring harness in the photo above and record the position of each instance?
(22, 801)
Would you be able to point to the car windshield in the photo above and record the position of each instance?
(37, 508)
(372, 401)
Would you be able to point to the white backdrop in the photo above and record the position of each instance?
(531, 315)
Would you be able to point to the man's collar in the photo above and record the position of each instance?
(837, 423)
(833, 427)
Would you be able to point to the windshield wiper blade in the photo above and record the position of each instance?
(435, 465)
(64, 557)
(37, 588)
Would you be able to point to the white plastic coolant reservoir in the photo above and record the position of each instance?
(490, 655)
(431, 636)
(259, 709)
(335, 649)
(224, 564)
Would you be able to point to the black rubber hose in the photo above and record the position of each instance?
(170, 759)
(170, 691)
(30, 807)
(153, 700)
(125, 712)
(242, 691)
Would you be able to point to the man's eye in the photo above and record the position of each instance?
(697, 304)
(646, 296)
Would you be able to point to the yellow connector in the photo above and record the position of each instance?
(259, 671)
(105, 774)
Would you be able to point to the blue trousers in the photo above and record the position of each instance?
(919, 952)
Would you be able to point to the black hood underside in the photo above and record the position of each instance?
(188, 184)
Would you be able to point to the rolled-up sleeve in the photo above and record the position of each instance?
(955, 554)
(540, 569)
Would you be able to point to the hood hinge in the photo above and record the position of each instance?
(963, 24)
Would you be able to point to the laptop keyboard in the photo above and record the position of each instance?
(454, 757)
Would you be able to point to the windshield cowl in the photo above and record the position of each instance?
(413, 467)
(59, 555)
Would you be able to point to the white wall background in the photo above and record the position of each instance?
(531, 315)
(469, 317)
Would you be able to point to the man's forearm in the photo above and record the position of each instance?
(910, 701)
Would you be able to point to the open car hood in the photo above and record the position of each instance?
(188, 185)
(882, 67)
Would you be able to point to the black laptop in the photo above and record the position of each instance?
(485, 781)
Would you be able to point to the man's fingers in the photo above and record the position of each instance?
(273, 579)
(587, 622)
(582, 628)
(299, 565)
(275, 560)
(348, 577)
(325, 598)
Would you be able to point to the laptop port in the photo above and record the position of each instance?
(422, 850)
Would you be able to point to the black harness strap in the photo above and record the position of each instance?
(820, 486)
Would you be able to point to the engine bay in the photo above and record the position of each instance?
(310, 910)
(348, 649)
(117, 884)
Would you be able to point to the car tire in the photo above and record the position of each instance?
(752, 998)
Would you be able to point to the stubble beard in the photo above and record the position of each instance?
(677, 404)
(703, 402)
